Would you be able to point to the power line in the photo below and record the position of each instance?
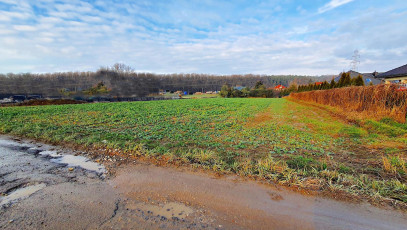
(355, 60)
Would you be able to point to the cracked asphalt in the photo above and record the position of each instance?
(68, 198)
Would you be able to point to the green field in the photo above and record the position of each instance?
(270, 139)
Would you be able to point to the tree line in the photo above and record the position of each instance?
(260, 90)
(122, 81)
(344, 81)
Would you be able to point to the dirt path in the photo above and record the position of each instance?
(44, 190)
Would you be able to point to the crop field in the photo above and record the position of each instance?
(276, 140)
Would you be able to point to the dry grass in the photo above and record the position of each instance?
(368, 102)
(394, 165)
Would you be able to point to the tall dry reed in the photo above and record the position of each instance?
(370, 101)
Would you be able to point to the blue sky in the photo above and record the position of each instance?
(207, 36)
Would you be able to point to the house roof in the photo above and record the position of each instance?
(397, 72)
(279, 87)
(367, 77)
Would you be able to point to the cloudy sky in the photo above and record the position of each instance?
(206, 36)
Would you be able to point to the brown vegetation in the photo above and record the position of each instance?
(373, 101)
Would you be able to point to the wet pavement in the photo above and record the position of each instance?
(40, 194)
(46, 187)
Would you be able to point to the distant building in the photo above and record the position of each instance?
(239, 87)
(319, 83)
(367, 77)
(279, 87)
(397, 75)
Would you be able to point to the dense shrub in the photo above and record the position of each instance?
(373, 101)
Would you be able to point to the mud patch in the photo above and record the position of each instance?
(172, 210)
(275, 196)
(244, 204)
(259, 118)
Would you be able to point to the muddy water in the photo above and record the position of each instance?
(81, 162)
(169, 210)
(250, 205)
(44, 187)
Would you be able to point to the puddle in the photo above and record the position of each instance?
(79, 161)
(14, 145)
(169, 210)
(7, 142)
(21, 193)
(65, 159)
(48, 153)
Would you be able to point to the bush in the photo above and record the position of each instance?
(225, 91)
(258, 91)
(373, 101)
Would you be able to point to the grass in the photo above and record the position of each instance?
(199, 96)
(271, 139)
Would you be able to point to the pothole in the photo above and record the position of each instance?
(67, 160)
(21, 193)
(81, 162)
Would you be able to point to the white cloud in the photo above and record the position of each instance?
(4, 17)
(255, 42)
(8, 1)
(25, 28)
(332, 5)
